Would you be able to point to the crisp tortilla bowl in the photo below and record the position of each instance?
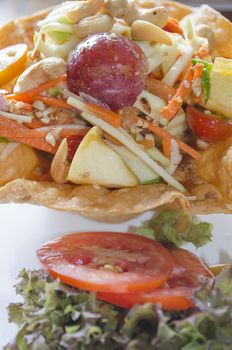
(99, 203)
(96, 203)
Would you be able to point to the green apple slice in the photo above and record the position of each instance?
(145, 174)
(97, 164)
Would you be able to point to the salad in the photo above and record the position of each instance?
(117, 95)
(175, 303)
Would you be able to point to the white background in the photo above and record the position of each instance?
(23, 228)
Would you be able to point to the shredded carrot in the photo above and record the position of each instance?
(164, 134)
(173, 26)
(20, 133)
(110, 117)
(159, 88)
(166, 144)
(198, 70)
(36, 137)
(180, 96)
(34, 124)
(27, 96)
(51, 101)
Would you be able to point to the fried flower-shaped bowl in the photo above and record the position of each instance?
(114, 205)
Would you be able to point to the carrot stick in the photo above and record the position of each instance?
(159, 88)
(166, 144)
(180, 96)
(51, 101)
(110, 117)
(164, 134)
(36, 137)
(173, 26)
(20, 133)
(198, 70)
(27, 96)
(34, 124)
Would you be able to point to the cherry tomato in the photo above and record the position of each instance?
(107, 262)
(207, 127)
(188, 275)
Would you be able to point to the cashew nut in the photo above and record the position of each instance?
(157, 15)
(145, 31)
(94, 24)
(130, 12)
(116, 8)
(40, 73)
(206, 32)
(84, 9)
(60, 165)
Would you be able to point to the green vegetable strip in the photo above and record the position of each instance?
(205, 76)
(206, 84)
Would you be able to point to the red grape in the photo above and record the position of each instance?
(109, 67)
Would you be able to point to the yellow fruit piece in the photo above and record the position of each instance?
(220, 99)
(20, 163)
(12, 62)
(217, 269)
(95, 163)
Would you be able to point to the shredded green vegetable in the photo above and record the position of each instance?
(151, 182)
(205, 76)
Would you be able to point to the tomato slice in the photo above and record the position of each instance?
(107, 262)
(189, 274)
(169, 298)
(12, 62)
(207, 127)
(189, 271)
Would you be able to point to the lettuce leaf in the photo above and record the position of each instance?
(177, 227)
(53, 316)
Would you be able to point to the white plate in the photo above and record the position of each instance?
(24, 228)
